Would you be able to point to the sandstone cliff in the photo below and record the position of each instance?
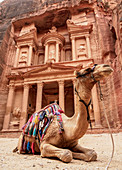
(105, 39)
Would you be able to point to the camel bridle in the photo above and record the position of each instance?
(89, 72)
(86, 105)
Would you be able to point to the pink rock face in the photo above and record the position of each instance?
(41, 47)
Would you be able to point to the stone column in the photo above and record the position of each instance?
(61, 94)
(17, 57)
(57, 52)
(39, 96)
(73, 49)
(62, 54)
(36, 59)
(74, 94)
(9, 107)
(96, 107)
(30, 55)
(88, 46)
(46, 52)
(24, 105)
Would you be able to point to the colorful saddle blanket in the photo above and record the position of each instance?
(38, 124)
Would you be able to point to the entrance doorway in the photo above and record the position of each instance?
(50, 93)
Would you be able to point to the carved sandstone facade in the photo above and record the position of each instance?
(46, 49)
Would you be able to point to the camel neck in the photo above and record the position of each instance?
(80, 117)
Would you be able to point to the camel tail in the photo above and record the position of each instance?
(15, 150)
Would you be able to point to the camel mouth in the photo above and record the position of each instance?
(102, 71)
(107, 70)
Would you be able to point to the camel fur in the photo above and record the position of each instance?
(65, 145)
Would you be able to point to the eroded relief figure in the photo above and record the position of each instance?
(52, 52)
(23, 58)
(81, 48)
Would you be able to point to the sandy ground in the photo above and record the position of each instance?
(101, 143)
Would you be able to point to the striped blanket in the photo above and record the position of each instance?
(38, 124)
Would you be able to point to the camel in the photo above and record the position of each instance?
(64, 146)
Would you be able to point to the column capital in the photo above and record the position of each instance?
(72, 38)
(57, 42)
(87, 35)
(17, 46)
(30, 45)
(26, 86)
(11, 86)
(40, 83)
(46, 44)
(61, 82)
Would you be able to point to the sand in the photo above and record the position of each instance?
(101, 143)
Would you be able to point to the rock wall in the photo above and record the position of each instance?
(117, 25)
(106, 40)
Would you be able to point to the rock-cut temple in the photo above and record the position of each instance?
(44, 43)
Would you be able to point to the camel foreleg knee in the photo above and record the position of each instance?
(84, 153)
(48, 150)
(89, 156)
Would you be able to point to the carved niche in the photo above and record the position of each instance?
(23, 56)
(52, 51)
(81, 48)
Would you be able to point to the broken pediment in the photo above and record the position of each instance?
(27, 29)
(27, 34)
(30, 35)
(74, 28)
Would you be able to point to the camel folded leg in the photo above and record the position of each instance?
(48, 150)
(85, 154)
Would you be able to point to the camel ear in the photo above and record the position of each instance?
(90, 64)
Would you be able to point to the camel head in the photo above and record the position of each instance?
(93, 73)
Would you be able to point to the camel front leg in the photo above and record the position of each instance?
(48, 150)
(85, 154)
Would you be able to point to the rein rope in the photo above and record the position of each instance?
(110, 131)
(88, 116)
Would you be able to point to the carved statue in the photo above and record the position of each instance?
(16, 112)
(53, 29)
(65, 145)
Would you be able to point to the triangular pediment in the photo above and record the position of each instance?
(50, 68)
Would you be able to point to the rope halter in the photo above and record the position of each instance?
(86, 105)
